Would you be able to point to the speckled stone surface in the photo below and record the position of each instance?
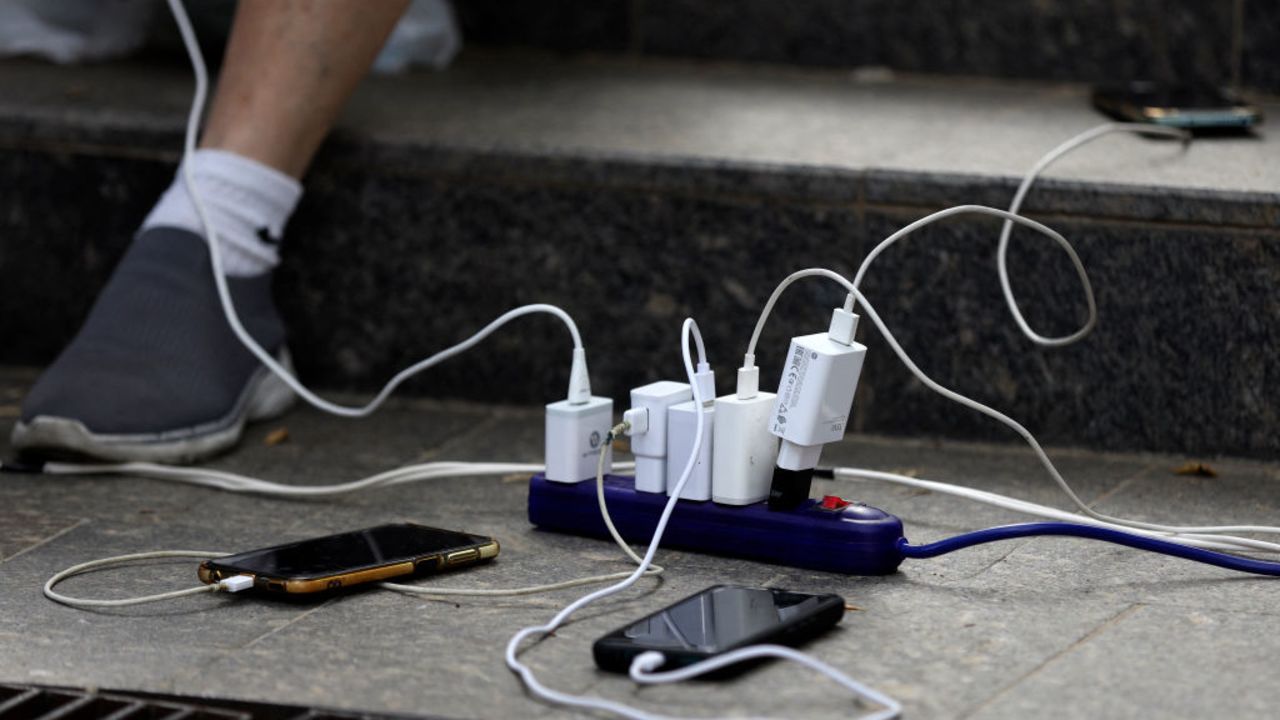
(562, 25)
(634, 194)
(1009, 630)
(1076, 40)
(1176, 329)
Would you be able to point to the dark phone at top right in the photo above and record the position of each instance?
(1193, 107)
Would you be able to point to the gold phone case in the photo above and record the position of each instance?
(434, 562)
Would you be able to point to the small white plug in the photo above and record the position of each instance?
(844, 324)
(648, 417)
(235, 583)
(637, 420)
(579, 380)
(748, 379)
(705, 378)
(647, 661)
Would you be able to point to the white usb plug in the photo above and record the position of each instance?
(236, 583)
(575, 427)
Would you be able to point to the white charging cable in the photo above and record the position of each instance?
(749, 358)
(232, 482)
(1002, 252)
(236, 483)
(579, 383)
(233, 584)
(643, 666)
(1006, 230)
(540, 631)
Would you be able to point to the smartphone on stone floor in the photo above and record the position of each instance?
(717, 620)
(1195, 107)
(336, 562)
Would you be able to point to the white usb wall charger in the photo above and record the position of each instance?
(815, 395)
(743, 449)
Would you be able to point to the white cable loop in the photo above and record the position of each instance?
(224, 295)
(1002, 251)
(642, 671)
(118, 560)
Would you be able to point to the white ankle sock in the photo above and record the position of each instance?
(248, 203)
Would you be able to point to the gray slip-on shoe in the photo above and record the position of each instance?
(156, 373)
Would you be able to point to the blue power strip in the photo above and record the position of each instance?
(828, 535)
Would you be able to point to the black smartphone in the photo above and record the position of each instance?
(1194, 107)
(717, 620)
(340, 561)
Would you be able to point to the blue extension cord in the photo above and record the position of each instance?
(1141, 542)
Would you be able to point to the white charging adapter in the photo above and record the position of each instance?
(743, 449)
(682, 424)
(647, 419)
(815, 395)
(575, 428)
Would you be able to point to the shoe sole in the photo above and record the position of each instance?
(264, 397)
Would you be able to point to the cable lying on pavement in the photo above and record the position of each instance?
(240, 483)
(237, 483)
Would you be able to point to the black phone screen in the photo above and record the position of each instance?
(345, 552)
(718, 619)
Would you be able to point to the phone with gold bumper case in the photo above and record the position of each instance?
(335, 562)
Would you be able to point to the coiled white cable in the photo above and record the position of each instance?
(1002, 251)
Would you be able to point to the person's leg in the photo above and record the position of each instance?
(290, 67)
(155, 373)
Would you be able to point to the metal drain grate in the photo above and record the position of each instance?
(34, 702)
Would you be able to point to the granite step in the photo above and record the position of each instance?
(1212, 41)
(636, 192)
